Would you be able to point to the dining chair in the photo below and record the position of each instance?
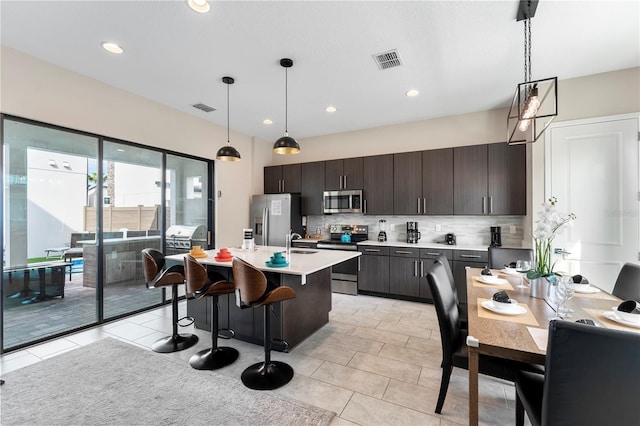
(462, 307)
(453, 337)
(592, 377)
(627, 286)
(501, 256)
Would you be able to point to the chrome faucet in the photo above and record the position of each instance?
(295, 236)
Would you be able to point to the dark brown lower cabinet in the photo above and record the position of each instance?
(292, 320)
(373, 270)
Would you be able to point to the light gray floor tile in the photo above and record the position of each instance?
(12, 364)
(351, 378)
(318, 393)
(365, 410)
(53, 347)
(405, 328)
(83, 338)
(348, 341)
(412, 356)
(326, 351)
(130, 331)
(381, 336)
(386, 367)
(357, 321)
(424, 345)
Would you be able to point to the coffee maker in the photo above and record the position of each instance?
(413, 235)
(496, 238)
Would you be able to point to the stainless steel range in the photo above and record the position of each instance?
(344, 276)
(181, 238)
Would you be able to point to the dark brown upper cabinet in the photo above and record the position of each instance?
(283, 179)
(343, 174)
(490, 179)
(312, 188)
(377, 184)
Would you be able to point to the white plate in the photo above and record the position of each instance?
(491, 279)
(513, 310)
(586, 289)
(511, 271)
(613, 317)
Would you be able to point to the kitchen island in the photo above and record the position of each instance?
(308, 273)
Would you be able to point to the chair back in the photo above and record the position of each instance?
(195, 274)
(445, 262)
(627, 285)
(446, 308)
(250, 282)
(500, 256)
(592, 376)
(153, 262)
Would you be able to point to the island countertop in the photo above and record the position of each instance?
(303, 261)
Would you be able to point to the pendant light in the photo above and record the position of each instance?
(286, 144)
(535, 103)
(227, 152)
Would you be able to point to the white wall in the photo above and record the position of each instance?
(41, 91)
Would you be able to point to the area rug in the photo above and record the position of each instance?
(114, 383)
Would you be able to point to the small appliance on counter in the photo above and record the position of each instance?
(382, 226)
(450, 239)
(413, 235)
(496, 238)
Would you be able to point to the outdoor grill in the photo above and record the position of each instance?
(181, 238)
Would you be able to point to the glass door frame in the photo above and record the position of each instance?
(99, 220)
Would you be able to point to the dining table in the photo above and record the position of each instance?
(521, 335)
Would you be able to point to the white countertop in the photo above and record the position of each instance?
(437, 246)
(299, 264)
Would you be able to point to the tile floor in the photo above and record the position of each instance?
(376, 363)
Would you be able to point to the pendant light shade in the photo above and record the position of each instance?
(227, 152)
(535, 103)
(286, 144)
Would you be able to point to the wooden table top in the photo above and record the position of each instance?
(510, 336)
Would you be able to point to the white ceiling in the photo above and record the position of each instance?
(462, 56)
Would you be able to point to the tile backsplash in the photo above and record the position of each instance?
(469, 230)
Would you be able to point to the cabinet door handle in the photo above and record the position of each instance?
(415, 268)
(424, 205)
(484, 205)
(359, 264)
(374, 250)
(365, 206)
(340, 185)
(403, 252)
(470, 256)
(490, 204)
(345, 181)
(433, 254)
(283, 186)
(421, 269)
(418, 205)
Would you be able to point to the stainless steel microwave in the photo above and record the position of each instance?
(345, 201)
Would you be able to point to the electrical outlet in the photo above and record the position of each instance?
(512, 229)
(438, 227)
(392, 227)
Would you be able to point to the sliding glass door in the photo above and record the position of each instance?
(77, 210)
(45, 215)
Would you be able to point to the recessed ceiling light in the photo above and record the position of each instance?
(120, 150)
(330, 109)
(267, 121)
(112, 47)
(412, 93)
(200, 6)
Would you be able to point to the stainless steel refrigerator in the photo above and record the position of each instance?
(273, 216)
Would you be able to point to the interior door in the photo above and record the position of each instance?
(593, 169)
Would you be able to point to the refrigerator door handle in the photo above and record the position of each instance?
(265, 226)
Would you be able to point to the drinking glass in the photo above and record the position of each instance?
(522, 266)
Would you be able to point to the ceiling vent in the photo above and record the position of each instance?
(388, 59)
(203, 107)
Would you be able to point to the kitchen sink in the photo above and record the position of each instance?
(303, 251)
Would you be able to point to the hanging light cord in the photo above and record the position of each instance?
(228, 143)
(286, 101)
(527, 50)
